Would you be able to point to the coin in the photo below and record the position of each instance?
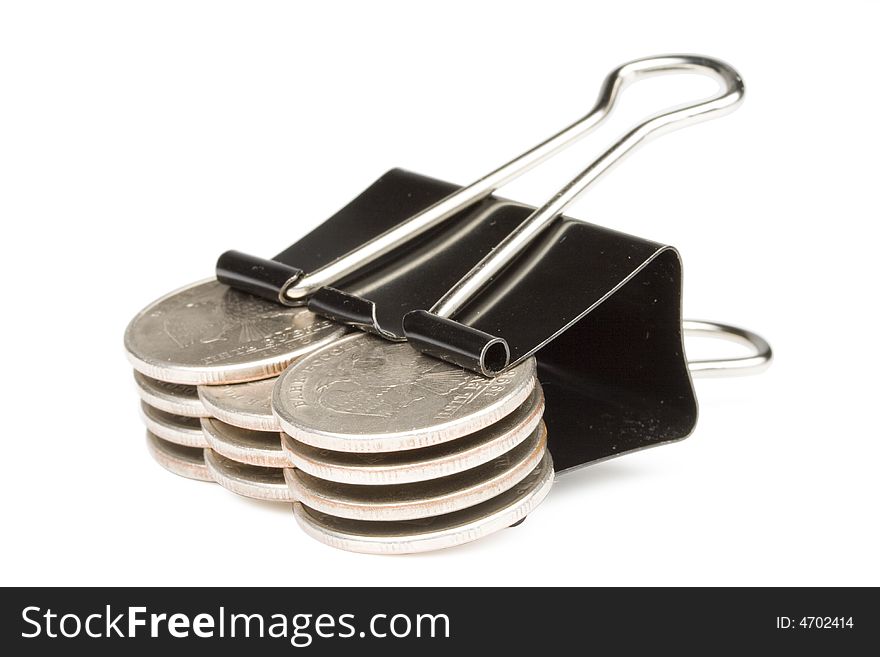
(186, 431)
(422, 499)
(248, 480)
(245, 405)
(208, 333)
(420, 464)
(261, 448)
(186, 462)
(365, 394)
(408, 536)
(175, 398)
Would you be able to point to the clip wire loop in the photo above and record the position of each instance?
(294, 283)
(491, 360)
(725, 101)
(755, 363)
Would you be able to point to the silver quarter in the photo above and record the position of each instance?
(420, 464)
(245, 405)
(408, 536)
(186, 431)
(261, 448)
(176, 398)
(186, 462)
(365, 394)
(248, 480)
(208, 333)
(422, 499)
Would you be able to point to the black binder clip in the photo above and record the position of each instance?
(486, 283)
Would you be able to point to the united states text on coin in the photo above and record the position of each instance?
(248, 480)
(422, 499)
(365, 394)
(186, 462)
(208, 333)
(261, 448)
(245, 405)
(407, 536)
(186, 431)
(176, 398)
(420, 464)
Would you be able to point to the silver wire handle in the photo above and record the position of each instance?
(616, 81)
(754, 363)
(726, 100)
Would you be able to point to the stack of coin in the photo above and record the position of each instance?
(395, 452)
(380, 448)
(245, 453)
(205, 359)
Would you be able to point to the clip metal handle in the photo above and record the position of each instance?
(300, 287)
(755, 363)
(728, 98)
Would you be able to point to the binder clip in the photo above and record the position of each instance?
(486, 283)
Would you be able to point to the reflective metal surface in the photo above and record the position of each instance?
(422, 499)
(364, 394)
(420, 464)
(726, 100)
(207, 333)
(245, 405)
(175, 398)
(186, 431)
(248, 480)
(391, 450)
(755, 363)
(186, 462)
(426, 534)
(261, 448)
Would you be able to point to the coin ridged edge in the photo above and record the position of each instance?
(252, 421)
(432, 540)
(219, 374)
(168, 430)
(448, 501)
(403, 440)
(166, 401)
(262, 457)
(165, 454)
(411, 472)
(241, 485)
(241, 373)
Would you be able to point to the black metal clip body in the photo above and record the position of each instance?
(485, 283)
(600, 308)
(415, 275)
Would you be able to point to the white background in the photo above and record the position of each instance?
(139, 140)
